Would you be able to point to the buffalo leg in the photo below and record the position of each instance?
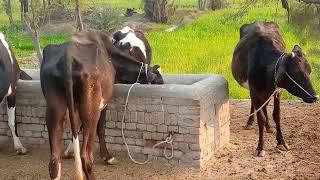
(261, 124)
(251, 118)
(281, 145)
(269, 129)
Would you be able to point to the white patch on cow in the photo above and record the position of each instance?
(9, 91)
(4, 42)
(102, 104)
(245, 84)
(11, 122)
(159, 69)
(126, 30)
(133, 40)
(59, 172)
(69, 149)
(77, 158)
(112, 161)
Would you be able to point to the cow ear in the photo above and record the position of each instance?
(157, 67)
(296, 48)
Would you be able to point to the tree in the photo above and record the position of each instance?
(7, 7)
(79, 23)
(210, 4)
(202, 4)
(32, 22)
(158, 10)
(24, 8)
(285, 5)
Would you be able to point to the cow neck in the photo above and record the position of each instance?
(276, 67)
(122, 60)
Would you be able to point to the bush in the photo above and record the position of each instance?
(107, 19)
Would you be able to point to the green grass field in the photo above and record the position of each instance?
(205, 46)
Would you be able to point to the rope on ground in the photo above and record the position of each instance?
(168, 140)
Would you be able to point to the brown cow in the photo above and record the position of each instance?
(260, 63)
(78, 77)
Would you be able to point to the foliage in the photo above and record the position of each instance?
(106, 19)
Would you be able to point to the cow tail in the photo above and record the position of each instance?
(70, 103)
(24, 75)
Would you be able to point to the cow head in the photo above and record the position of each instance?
(117, 36)
(151, 75)
(154, 76)
(294, 75)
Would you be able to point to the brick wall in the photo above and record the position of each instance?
(195, 108)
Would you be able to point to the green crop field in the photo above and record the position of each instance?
(205, 46)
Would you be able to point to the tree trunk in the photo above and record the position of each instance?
(79, 23)
(34, 34)
(211, 4)
(157, 10)
(7, 6)
(24, 8)
(286, 6)
(203, 4)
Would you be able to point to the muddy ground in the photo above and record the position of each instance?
(301, 126)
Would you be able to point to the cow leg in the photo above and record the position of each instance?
(251, 118)
(54, 120)
(281, 145)
(11, 111)
(261, 124)
(269, 129)
(89, 134)
(104, 153)
(89, 120)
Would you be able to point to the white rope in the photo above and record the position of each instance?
(277, 88)
(266, 102)
(168, 140)
(298, 85)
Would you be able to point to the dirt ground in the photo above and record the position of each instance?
(300, 124)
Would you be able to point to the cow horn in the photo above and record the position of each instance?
(293, 54)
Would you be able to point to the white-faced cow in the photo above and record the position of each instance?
(261, 64)
(135, 44)
(132, 43)
(78, 77)
(9, 75)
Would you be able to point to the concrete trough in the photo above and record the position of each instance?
(192, 107)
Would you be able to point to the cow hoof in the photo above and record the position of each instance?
(21, 151)
(283, 147)
(260, 153)
(248, 127)
(111, 161)
(270, 130)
